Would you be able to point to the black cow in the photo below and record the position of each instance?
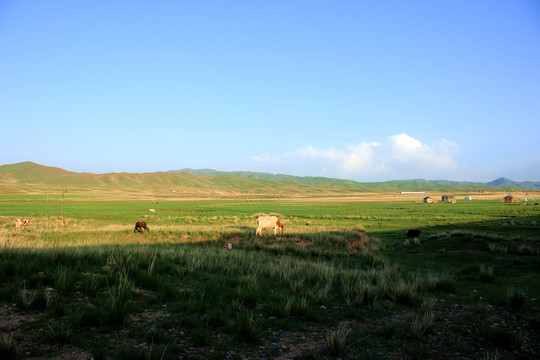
(140, 225)
(413, 233)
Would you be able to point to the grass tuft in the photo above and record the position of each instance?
(516, 297)
(402, 292)
(336, 340)
(250, 327)
(486, 273)
(118, 301)
(58, 333)
(8, 349)
(422, 324)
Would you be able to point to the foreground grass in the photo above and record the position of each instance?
(324, 289)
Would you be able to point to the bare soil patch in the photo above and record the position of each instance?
(357, 242)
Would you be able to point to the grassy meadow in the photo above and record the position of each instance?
(343, 281)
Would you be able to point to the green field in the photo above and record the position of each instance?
(343, 281)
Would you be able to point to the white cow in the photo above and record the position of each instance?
(152, 210)
(21, 222)
(268, 222)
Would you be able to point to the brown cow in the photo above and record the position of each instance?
(140, 225)
(21, 222)
(268, 222)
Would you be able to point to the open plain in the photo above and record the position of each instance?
(343, 281)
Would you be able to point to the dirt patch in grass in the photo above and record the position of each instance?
(357, 242)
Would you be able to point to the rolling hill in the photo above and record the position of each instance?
(400, 185)
(28, 177)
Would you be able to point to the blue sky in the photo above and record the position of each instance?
(362, 90)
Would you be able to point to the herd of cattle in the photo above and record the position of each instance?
(263, 222)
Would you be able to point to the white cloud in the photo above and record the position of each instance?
(399, 155)
(406, 143)
(407, 152)
(362, 156)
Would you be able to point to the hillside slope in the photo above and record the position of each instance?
(398, 185)
(28, 177)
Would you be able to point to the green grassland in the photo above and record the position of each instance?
(343, 281)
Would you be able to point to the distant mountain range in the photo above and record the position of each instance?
(504, 182)
(533, 185)
(29, 177)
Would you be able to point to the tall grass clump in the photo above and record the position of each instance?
(296, 285)
(336, 340)
(525, 249)
(189, 265)
(121, 262)
(486, 273)
(441, 282)
(371, 258)
(402, 291)
(300, 305)
(34, 299)
(57, 254)
(118, 301)
(498, 248)
(250, 281)
(151, 266)
(487, 355)
(282, 307)
(65, 280)
(26, 298)
(91, 284)
(349, 281)
(427, 306)
(320, 294)
(516, 297)
(363, 294)
(58, 333)
(8, 349)
(422, 323)
(250, 327)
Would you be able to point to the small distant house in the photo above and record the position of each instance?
(509, 198)
(449, 199)
(428, 199)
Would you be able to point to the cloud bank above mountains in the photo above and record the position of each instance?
(398, 153)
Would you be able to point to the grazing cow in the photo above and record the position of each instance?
(228, 246)
(139, 226)
(268, 222)
(413, 234)
(152, 210)
(21, 222)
